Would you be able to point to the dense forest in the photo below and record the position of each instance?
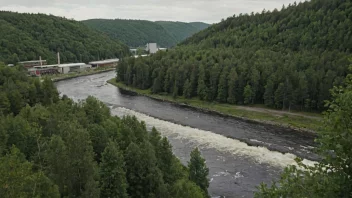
(287, 59)
(180, 30)
(51, 146)
(332, 176)
(27, 36)
(135, 33)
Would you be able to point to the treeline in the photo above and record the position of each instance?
(54, 147)
(181, 30)
(135, 33)
(330, 177)
(284, 59)
(27, 36)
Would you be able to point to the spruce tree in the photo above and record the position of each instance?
(198, 171)
(269, 94)
(248, 94)
(202, 90)
(232, 84)
(112, 174)
(187, 89)
(222, 87)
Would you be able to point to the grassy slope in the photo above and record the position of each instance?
(301, 121)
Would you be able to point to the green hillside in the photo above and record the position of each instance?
(286, 59)
(200, 25)
(180, 30)
(28, 36)
(136, 33)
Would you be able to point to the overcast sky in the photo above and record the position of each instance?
(210, 11)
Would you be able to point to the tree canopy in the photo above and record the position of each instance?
(332, 176)
(135, 33)
(287, 59)
(25, 37)
(51, 146)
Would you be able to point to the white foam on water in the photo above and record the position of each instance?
(207, 139)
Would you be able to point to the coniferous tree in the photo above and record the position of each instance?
(269, 94)
(248, 95)
(222, 87)
(202, 90)
(198, 171)
(187, 90)
(18, 179)
(112, 174)
(232, 84)
(280, 96)
(186, 189)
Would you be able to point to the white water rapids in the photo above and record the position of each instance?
(207, 139)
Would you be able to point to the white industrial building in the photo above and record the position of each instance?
(105, 63)
(152, 48)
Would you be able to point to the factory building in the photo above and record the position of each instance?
(105, 63)
(152, 48)
(30, 64)
(73, 67)
(56, 69)
(43, 70)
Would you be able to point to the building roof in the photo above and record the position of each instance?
(64, 65)
(45, 66)
(32, 61)
(104, 61)
(71, 64)
(144, 55)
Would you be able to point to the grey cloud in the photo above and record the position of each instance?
(176, 10)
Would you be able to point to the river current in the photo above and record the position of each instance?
(239, 154)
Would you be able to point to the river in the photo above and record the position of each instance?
(239, 154)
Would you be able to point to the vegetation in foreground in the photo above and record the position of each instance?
(302, 121)
(332, 177)
(54, 147)
(286, 59)
(25, 37)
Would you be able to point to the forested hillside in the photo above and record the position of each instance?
(284, 59)
(135, 33)
(180, 30)
(51, 146)
(27, 36)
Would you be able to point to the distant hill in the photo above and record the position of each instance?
(180, 30)
(136, 33)
(287, 59)
(28, 36)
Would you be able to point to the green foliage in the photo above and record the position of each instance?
(112, 173)
(198, 171)
(179, 31)
(78, 149)
(248, 94)
(28, 36)
(18, 179)
(17, 90)
(135, 33)
(292, 48)
(331, 177)
(186, 189)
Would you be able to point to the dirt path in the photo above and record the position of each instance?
(277, 112)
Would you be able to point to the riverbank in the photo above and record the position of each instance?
(303, 122)
(60, 77)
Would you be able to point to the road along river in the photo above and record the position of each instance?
(239, 154)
